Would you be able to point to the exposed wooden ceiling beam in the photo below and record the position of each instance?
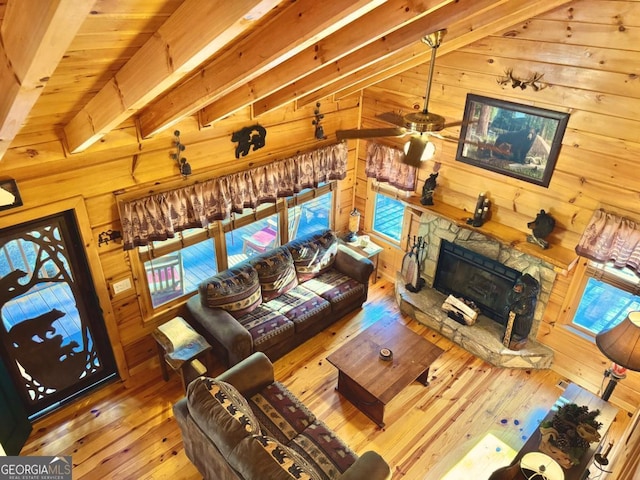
(388, 17)
(35, 36)
(415, 55)
(295, 28)
(458, 36)
(374, 52)
(197, 30)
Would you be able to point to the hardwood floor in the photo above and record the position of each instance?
(130, 433)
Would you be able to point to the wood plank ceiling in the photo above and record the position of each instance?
(86, 67)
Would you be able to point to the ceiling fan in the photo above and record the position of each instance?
(419, 124)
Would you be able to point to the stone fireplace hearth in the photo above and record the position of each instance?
(484, 339)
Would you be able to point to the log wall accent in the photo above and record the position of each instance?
(589, 54)
(48, 175)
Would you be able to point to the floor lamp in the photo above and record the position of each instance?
(621, 345)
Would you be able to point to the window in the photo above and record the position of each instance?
(609, 295)
(387, 216)
(310, 216)
(251, 239)
(175, 268)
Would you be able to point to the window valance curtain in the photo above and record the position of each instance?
(384, 164)
(609, 237)
(160, 216)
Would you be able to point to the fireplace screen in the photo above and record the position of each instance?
(472, 276)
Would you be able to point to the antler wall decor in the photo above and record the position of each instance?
(533, 81)
(185, 168)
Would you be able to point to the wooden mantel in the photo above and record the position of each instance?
(563, 259)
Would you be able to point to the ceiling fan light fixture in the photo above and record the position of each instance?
(427, 154)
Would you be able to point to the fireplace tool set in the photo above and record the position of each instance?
(411, 264)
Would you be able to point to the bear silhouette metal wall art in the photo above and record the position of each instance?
(253, 136)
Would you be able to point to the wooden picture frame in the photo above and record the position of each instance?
(9, 189)
(517, 140)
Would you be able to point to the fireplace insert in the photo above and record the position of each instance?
(469, 275)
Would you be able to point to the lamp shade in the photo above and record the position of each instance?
(538, 466)
(621, 344)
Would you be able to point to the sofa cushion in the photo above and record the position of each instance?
(267, 327)
(236, 290)
(301, 306)
(222, 412)
(260, 457)
(335, 287)
(276, 272)
(280, 413)
(313, 254)
(329, 455)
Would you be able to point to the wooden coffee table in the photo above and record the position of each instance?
(368, 381)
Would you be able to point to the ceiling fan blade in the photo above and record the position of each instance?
(417, 144)
(392, 117)
(441, 136)
(453, 124)
(370, 133)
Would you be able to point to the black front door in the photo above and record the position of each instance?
(14, 422)
(53, 339)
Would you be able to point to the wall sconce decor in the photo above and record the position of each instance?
(9, 195)
(319, 132)
(255, 136)
(533, 81)
(109, 236)
(185, 168)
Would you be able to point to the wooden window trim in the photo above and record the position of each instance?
(216, 231)
(391, 192)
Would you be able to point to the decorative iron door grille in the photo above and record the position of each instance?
(53, 337)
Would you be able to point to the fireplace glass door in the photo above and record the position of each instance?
(472, 276)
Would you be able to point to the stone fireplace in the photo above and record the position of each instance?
(483, 339)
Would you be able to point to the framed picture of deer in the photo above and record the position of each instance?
(517, 140)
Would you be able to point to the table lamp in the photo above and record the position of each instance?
(538, 466)
(621, 345)
(354, 226)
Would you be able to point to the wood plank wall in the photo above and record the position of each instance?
(589, 54)
(47, 176)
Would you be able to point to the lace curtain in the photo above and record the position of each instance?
(609, 237)
(385, 165)
(160, 216)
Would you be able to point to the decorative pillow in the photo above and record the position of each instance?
(276, 273)
(313, 254)
(280, 413)
(236, 290)
(222, 412)
(322, 449)
(261, 457)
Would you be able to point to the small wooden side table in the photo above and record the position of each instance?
(182, 348)
(371, 251)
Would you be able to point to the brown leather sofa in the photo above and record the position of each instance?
(244, 425)
(277, 300)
